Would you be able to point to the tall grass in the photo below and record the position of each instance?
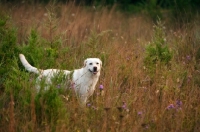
(62, 36)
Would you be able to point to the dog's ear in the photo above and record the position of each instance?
(85, 62)
(100, 62)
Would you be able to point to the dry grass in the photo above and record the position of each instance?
(123, 76)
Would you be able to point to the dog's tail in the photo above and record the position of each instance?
(27, 66)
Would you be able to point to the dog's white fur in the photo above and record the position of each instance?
(84, 79)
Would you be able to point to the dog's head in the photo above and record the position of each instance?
(93, 65)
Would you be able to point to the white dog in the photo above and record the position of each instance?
(84, 79)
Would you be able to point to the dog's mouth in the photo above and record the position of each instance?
(94, 71)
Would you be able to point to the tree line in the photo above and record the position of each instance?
(123, 3)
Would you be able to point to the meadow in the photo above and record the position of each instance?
(150, 78)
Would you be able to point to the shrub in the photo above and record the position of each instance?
(8, 48)
(157, 51)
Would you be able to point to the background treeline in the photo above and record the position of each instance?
(180, 11)
(125, 4)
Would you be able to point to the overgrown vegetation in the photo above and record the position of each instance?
(149, 80)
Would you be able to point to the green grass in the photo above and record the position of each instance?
(150, 72)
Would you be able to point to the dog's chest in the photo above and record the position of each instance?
(85, 86)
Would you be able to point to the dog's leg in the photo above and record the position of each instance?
(83, 100)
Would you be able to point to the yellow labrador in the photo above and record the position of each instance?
(84, 79)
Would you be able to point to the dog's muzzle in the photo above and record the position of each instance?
(94, 71)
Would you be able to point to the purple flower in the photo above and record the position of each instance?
(179, 103)
(140, 113)
(128, 58)
(72, 85)
(189, 79)
(171, 106)
(101, 87)
(88, 105)
(188, 57)
(124, 105)
(58, 86)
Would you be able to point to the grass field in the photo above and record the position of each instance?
(150, 74)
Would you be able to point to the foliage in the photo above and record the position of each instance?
(8, 48)
(157, 51)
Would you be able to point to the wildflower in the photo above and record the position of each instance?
(124, 105)
(101, 87)
(88, 105)
(171, 106)
(58, 86)
(140, 113)
(188, 57)
(101, 90)
(179, 103)
(72, 85)
(189, 79)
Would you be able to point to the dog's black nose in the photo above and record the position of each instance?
(95, 69)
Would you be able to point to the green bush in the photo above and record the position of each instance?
(157, 51)
(8, 48)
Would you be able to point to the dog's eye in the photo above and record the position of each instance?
(97, 63)
(90, 63)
